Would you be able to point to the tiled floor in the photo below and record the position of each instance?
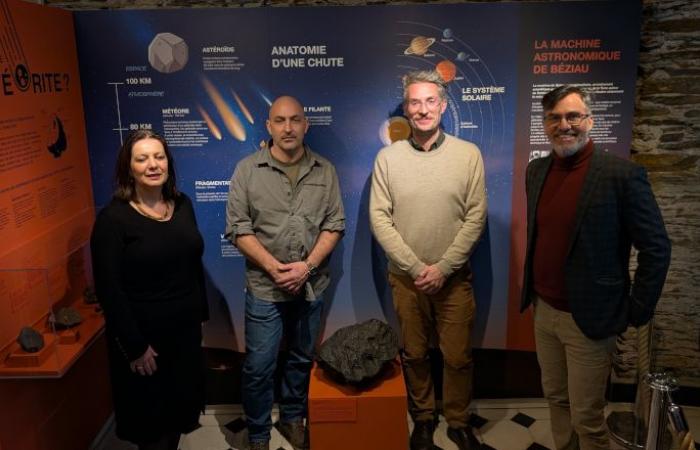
(498, 424)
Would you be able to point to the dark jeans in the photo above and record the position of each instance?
(265, 323)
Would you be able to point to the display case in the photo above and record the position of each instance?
(49, 314)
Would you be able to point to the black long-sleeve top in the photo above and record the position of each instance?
(147, 271)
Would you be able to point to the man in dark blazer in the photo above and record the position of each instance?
(585, 210)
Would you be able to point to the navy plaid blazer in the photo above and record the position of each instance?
(616, 209)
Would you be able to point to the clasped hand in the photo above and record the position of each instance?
(146, 363)
(291, 277)
(430, 280)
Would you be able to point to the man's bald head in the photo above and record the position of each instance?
(287, 124)
(285, 102)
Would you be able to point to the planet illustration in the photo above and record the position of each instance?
(419, 46)
(447, 33)
(461, 56)
(447, 70)
(394, 129)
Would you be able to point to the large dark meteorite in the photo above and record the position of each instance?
(357, 354)
(30, 340)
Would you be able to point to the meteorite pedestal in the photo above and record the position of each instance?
(345, 418)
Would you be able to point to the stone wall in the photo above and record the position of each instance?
(666, 140)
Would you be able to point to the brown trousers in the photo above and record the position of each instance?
(450, 313)
(575, 372)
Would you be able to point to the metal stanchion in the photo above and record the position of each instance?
(647, 429)
(661, 385)
(628, 428)
(680, 426)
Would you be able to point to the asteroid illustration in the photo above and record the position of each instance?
(167, 53)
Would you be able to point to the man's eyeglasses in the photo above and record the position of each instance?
(432, 103)
(573, 118)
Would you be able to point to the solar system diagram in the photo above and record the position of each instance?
(475, 109)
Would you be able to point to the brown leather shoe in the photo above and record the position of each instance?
(422, 435)
(463, 437)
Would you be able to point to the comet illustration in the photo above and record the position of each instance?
(231, 121)
(244, 109)
(210, 123)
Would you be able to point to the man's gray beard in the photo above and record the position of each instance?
(566, 152)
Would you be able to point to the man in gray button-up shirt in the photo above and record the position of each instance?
(285, 214)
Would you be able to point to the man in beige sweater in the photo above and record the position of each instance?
(428, 210)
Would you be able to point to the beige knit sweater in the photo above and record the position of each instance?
(428, 207)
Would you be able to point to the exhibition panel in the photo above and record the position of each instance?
(206, 78)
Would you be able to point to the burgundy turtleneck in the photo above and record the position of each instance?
(556, 212)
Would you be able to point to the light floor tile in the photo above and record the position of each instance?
(536, 413)
(216, 420)
(205, 438)
(507, 435)
(440, 436)
(541, 433)
(277, 441)
(496, 414)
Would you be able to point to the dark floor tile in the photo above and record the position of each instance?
(523, 419)
(537, 446)
(476, 421)
(236, 425)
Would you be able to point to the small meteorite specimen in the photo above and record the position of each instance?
(30, 340)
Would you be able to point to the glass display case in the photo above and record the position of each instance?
(49, 314)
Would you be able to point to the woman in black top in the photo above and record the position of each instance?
(146, 255)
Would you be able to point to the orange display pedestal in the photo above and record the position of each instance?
(344, 418)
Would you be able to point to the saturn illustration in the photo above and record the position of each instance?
(419, 46)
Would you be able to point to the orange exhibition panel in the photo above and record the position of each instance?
(345, 418)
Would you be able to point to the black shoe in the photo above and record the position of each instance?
(296, 433)
(259, 445)
(463, 437)
(422, 436)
